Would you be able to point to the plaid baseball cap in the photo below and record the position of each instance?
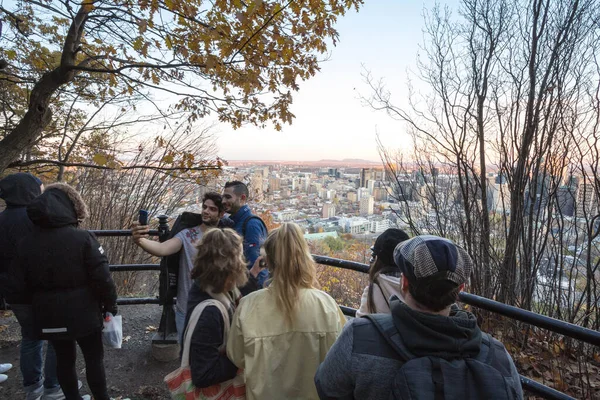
(427, 255)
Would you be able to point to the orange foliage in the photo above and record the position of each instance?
(345, 286)
(268, 220)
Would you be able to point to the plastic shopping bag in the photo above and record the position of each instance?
(112, 334)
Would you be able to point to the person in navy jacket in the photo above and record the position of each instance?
(249, 226)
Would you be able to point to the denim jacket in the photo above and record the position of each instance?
(253, 239)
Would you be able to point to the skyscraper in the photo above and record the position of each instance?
(328, 210)
(366, 205)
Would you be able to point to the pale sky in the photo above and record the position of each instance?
(331, 122)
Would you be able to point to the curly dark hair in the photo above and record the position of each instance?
(216, 198)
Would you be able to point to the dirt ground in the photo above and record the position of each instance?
(131, 371)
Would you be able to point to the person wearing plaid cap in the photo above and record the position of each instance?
(427, 348)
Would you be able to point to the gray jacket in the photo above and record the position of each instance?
(359, 367)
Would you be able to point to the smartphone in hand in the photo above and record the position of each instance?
(143, 217)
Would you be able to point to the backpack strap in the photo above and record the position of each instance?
(437, 377)
(191, 326)
(248, 219)
(496, 355)
(385, 325)
(383, 294)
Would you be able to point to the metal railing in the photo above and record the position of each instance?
(167, 332)
(564, 328)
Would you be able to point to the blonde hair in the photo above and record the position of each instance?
(220, 256)
(291, 266)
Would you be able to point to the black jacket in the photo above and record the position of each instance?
(207, 364)
(17, 190)
(65, 270)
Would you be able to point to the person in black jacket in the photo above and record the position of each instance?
(17, 191)
(219, 268)
(66, 272)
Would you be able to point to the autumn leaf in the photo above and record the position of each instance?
(11, 54)
(139, 49)
(100, 159)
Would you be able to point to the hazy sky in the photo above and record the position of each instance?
(330, 120)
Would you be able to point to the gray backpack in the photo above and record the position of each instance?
(435, 378)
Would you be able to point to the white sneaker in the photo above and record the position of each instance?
(86, 397)
(5, 367)
(3, 378)
(57, 393)
(35, 394)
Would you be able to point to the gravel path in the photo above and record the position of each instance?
(131, 371)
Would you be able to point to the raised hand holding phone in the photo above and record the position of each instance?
(143, 217)
(139, 228)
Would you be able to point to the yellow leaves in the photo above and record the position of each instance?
(11, 54)
(288, 76)
(168, 158)
(100, 159)
(138, 44)
(211, 61)
(248, 48)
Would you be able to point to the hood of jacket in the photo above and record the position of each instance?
(456, 336)
(59, 205)
(390, 286)
(18, 190)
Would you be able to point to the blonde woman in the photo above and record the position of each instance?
(218, 269)
(281, 334)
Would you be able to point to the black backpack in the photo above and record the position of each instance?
(435, 378)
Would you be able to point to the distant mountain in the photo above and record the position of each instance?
(347, 162)
(350, 161)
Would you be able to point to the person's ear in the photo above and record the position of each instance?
(243, 197)
(403, 283)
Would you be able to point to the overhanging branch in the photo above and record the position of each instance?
(18, 164)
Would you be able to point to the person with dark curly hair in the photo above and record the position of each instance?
(182, 245)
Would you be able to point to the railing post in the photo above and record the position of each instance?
(165, 341)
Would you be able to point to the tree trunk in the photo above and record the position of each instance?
(39, 114)
(37, 117)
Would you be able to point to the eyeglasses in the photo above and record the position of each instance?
(373, 255)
